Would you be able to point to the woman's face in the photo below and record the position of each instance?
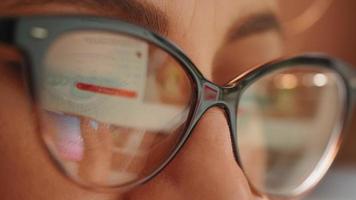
(223, 38)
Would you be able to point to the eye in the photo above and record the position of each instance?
(236, 57)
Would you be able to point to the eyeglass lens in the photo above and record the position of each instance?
(112, 107)
(287, 122)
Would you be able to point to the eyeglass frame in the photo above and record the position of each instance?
(17, 31)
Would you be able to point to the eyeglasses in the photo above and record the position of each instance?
(115, 104)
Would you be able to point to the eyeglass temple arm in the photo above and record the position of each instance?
(7, 30)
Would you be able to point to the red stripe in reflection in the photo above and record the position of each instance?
(106, 90)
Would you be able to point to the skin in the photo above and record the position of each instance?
(205, 168)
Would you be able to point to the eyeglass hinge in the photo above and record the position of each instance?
(7, 30)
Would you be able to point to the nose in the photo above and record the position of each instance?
(205, 167)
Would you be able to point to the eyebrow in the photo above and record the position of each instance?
(133, 11)
(254, 24)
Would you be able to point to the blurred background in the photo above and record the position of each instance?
(327, 26)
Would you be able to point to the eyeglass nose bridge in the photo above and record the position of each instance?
(210, 95)
(225, 98)
(213, 95)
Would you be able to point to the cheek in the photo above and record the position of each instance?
(26, 172)
(17, 131)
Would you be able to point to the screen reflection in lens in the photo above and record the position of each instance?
(112, 107)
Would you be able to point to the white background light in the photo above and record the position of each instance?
(320, 80)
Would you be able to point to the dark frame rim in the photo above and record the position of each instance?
(71, 24)
(340, 68)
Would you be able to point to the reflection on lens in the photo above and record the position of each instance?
(286, 126)
(112, 107)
